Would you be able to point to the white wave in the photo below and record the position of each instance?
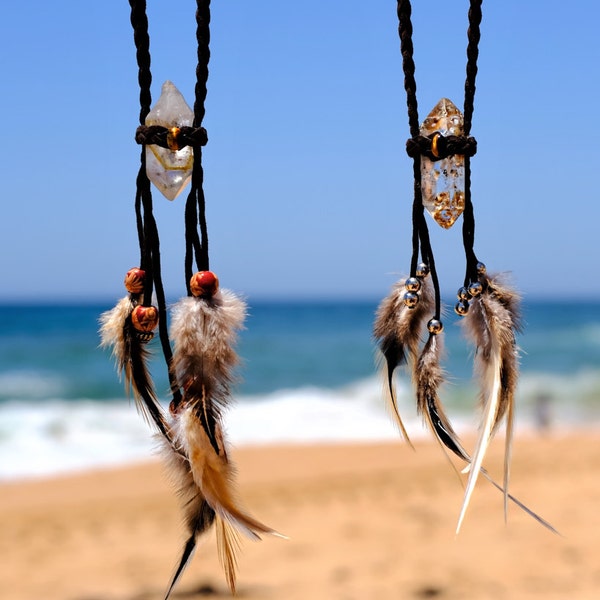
(45, 438)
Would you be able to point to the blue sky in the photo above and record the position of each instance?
(307, 182)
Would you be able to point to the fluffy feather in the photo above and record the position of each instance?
(397, 333)
(204, 331)
(428, 376)
(492, 322)
(131, 355)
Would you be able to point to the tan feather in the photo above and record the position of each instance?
(213, 473)
(131, 357)
(228, 546)
(492, 322)
(204, 331)
(428, 376)
(397, 333)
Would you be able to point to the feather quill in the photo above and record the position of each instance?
(428, 376)
(204, 331)
(131, 356)
(491, 323)
(397, 333)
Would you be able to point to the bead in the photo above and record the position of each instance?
(461, 308)
(411, 299)
(422, 270)
(475, 288)
(204, 284)
(435, 326)
(412, 284)
(463, 294)
(434, 145)
(172, 139)
(481, 268)
(144, 318)
(134, 280)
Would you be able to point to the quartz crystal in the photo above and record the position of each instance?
(169, 170)
(443, 181)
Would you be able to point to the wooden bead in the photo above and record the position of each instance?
(204, 284)
(134, 280)
(144, 318)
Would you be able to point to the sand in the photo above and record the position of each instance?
(369, 521)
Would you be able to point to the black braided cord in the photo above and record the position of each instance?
(195, 211)
(418, 146)
(147, 229)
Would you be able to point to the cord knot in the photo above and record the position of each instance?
(436, 146)
(174, 138)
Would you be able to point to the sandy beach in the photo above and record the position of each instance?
(364, 522)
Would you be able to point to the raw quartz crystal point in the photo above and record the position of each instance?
(443, 181)
(170, 170)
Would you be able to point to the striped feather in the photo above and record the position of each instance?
(397, 330)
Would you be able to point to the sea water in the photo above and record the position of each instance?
(307, 374)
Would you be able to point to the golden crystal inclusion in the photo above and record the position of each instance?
(443, 181)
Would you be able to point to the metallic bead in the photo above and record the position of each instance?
(481, 268)
(461, 308)
(134, 280)
(144, 318)
(204, 284)
(412, 284)
(475, 288)
(435, 326)
(422, 270)
(411, 299)
(463, 294)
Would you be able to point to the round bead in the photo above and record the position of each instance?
(475, 288)
(435, 326)
(411, 299)
(461, 308)
(144, 318)
(412, 284)
(134, 280)
(463, 294)
(204, 284)
(481, 268)
(422, 270)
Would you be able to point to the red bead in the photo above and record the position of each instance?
(134, 280)
(144, 318)
(204, 284)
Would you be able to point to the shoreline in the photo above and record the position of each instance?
(365, 520)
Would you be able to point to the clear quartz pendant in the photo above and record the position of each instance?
(170, 170)
(443, 181)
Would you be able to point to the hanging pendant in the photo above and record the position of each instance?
(443, 181)
(170, 169)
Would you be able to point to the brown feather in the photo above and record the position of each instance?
(204, 331)
(131, 358)
(492, 322)
(397, 333)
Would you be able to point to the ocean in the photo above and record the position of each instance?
(307, 374)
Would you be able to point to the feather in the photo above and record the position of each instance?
(204, 331)
(228, 545)
(492, 322)
(428, 376)
(131, 356)
(198, 514)
(396, 331)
